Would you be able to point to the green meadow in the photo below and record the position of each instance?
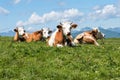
(37, 61)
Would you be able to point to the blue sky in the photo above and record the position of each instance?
(36, 14)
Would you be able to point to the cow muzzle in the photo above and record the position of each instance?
(69, 34)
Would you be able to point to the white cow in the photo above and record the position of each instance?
(46, 32)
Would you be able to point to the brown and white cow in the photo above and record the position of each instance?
(42, 34)
(19, 32)
(88, 37)
(35, 36)
(62, 36)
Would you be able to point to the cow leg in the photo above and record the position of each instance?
(102, 41)
(79, 38)
(96, 43)
(70, 41)
(91, 40)
(59, 45)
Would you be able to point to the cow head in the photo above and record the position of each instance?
(46, 32)
(99, 34)
(66, 27)
(59, 27)
(20, 30)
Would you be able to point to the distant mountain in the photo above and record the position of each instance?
(117, 29)
(109, 33)
(86, 29)
(9, 33)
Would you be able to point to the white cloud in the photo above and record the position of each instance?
(20, 23)
(108, 11)
(71, 14)
(4, 11)
(30, 28)
(16, 1)
(34, 19)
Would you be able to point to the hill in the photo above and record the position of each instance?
(9, 33)
(116, 29)
(37, 61)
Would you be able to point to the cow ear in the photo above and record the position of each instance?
(61, 23)
(95, 31)
(37, 32)
(42, 29)
(59, 26)
(16, 29)
(74, 25)
(50, 32)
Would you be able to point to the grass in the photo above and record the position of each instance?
(37, 61)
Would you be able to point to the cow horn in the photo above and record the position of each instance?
(71, 22)
(16, 27)
(60, 23)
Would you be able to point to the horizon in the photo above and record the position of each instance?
(80, 29)
(34, 15)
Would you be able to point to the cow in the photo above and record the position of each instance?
(62, 36)
(35, 36)
(42, 34)
(19, 32)
(89, 37)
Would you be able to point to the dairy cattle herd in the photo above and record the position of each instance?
(60, 37)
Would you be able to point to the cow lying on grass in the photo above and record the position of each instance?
(62, 36)
(21, 35)
(35, 36)
(89, 37)
(19, 32)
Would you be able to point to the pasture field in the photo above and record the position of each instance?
(37, 61)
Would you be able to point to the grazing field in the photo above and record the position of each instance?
(37, 61)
